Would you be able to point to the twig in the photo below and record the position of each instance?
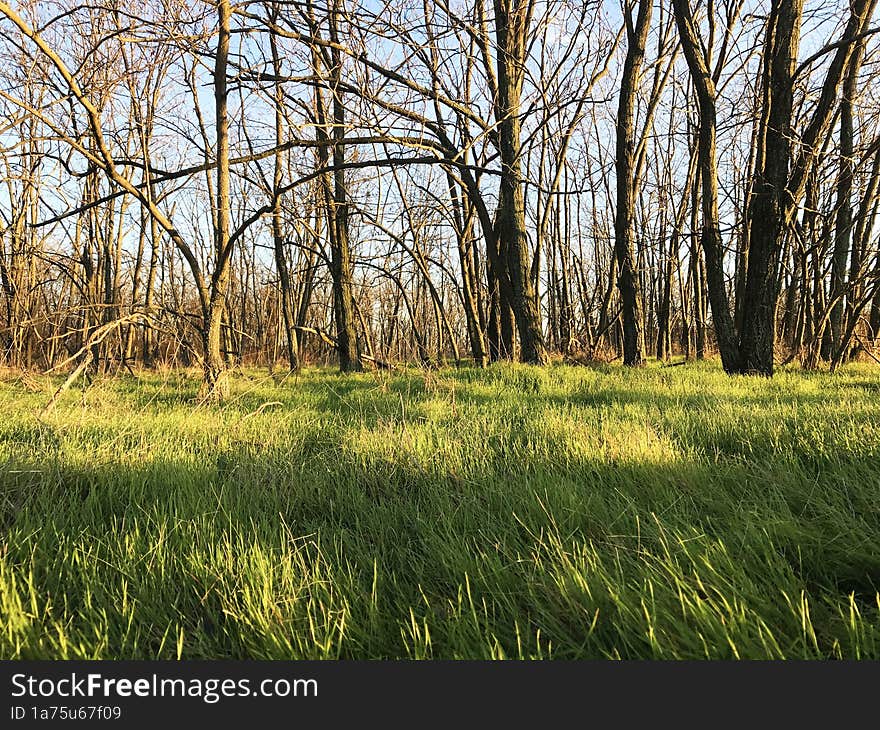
(259, 410)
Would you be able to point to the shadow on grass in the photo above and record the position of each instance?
(319, 550)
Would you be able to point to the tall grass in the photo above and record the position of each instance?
(508, 513)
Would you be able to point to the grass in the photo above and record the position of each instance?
(508, 513)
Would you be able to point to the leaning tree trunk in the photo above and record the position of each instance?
(725, 331)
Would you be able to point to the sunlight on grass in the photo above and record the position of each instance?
(508, 513)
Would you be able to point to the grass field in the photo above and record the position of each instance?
(513, 512)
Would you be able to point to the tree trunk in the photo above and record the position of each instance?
(767, 208)
(627, 277)
(336, 200)
(725, 331)
(214, 361)
(511, 29)
(843, 222)
(277, 227)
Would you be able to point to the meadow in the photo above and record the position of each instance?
(513, 512)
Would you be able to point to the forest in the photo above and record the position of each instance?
(439, 329)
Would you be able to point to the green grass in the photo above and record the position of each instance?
(513, 512)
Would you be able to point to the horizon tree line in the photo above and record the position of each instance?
(286, 181)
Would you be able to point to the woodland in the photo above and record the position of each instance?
(439, 329)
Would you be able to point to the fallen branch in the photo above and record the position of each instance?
(71, 379)
(331, 340)
(101, 333)
(326, 337)
(86, 352)
(867, 350)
